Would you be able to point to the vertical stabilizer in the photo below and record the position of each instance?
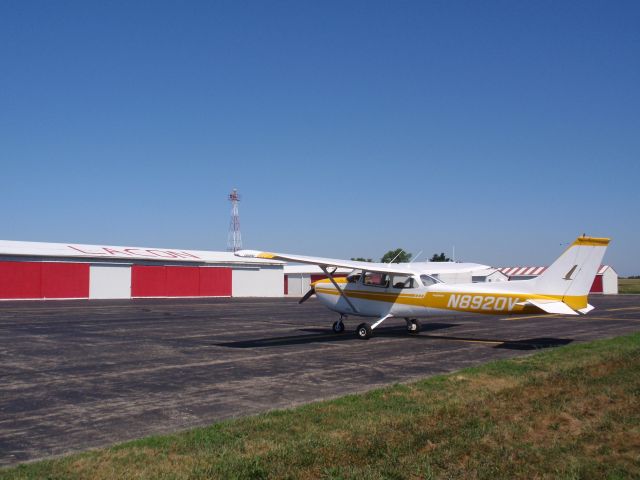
(572, 274)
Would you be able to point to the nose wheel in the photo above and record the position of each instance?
(338, 326)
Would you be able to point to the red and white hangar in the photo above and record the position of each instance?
(34, 270)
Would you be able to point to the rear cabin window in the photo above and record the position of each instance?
(376, 279)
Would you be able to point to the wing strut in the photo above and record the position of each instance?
(335, 284)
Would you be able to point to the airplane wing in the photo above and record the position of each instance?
(330, 262)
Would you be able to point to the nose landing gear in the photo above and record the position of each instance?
(338, 325)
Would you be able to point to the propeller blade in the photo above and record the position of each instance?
(307, 295)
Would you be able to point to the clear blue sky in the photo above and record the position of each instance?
(503, 128)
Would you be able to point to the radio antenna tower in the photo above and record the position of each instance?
(234, 242)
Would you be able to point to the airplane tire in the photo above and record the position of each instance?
(364, 331)
(413, 326)
(338, 327)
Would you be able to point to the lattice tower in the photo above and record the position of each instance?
(234, 241)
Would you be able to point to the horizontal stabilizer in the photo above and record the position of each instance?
(586, 309)
(551, 306)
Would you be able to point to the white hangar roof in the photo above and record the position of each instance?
(105, 252)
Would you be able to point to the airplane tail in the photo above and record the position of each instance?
(573, 272)
(570, 277)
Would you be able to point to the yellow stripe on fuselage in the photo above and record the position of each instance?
(327, 281)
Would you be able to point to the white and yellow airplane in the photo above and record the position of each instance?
(410, 291)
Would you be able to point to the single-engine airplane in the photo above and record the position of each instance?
(413, 291)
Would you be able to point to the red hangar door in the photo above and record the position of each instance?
(23, 280)
(170, 281)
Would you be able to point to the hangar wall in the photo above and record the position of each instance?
(110, 281)
(609, 281)
(254, 282)
(298, 284)
(298, 278)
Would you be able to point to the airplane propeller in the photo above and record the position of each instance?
(307, 295)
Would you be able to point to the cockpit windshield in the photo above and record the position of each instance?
(428, 280)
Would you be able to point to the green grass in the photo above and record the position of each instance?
(629, 285)
(571, 412)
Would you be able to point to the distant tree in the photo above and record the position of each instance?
(361, 259)
(396, 256)
(439, 258)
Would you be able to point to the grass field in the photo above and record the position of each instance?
(571, 412)
(629, 285)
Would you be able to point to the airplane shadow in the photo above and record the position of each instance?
(525, 344)
(324, 335)
(534, 343)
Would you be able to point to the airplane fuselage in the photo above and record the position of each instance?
(421, 301)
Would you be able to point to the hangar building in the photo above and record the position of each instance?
(34, 270)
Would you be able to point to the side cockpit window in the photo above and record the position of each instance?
(403, 281)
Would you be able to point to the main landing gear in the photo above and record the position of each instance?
(365, 331)
(413, 326)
